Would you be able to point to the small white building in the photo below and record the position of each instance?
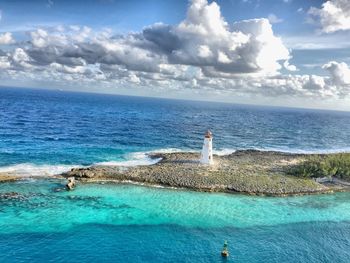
(207, 151)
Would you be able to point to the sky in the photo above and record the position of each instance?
(292, 53)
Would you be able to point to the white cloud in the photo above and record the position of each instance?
(289, 67)
(203, 19)
(339, 72)
(20, 59)
(6, 38)
(334, 15)
(203, 52)
(20, 55)
(287, 86)
(133, 78)
(68, 69)
(223, 58)
(42, 38)
(274, 19)
(4, 62)
(206, 40)
(264, 49)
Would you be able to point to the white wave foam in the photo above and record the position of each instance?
(133, 159)
(35, 170)
(170, 150)
(142, 158)
(29, 169)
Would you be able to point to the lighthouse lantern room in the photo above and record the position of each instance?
(207, 151)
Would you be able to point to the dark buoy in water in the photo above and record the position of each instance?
(224, 251)
(71, 183)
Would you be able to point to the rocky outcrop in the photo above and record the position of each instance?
(70, 184)
(253, 172)
(5, 177)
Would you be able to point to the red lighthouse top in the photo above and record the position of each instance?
(208, 134)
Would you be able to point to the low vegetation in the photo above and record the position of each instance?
(337, 165)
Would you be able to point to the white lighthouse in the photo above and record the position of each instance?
(207, 151)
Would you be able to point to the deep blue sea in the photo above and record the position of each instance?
(40, 128)
(47, 132)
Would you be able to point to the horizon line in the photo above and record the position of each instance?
(171, 98)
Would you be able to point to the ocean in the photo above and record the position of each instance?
(46, 132)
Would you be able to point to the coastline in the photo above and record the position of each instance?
(250, 172)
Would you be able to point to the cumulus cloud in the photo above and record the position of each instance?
(203, 39)
(339, 72)
(289, 66)
(334, 15)
(6, 38)
(299, 86)
(4, 62)
(20, 58)
(206, 40)
(68, 69)
(202, 52)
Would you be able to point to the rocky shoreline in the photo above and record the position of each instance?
(4, 177)
(248, 171)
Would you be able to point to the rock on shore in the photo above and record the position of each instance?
(4, 177)
(249, 171)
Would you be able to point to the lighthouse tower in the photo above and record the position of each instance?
(207, 151)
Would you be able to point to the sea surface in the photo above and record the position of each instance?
(47, 132)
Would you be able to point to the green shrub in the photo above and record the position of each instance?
(337, 165)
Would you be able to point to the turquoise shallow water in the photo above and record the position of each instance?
(114, 222)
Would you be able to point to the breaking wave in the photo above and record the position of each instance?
(30, 169)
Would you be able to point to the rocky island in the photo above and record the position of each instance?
(246, 171)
